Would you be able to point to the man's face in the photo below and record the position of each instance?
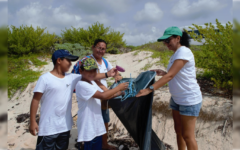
(64, 63)
(99, 50)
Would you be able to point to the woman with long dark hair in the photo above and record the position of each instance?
(186, 97)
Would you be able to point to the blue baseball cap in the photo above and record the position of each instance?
(62, 53)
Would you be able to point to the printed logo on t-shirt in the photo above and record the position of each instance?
(68, 84)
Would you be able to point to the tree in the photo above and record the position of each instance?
(25, 40)
(86, 37)
(216, 55)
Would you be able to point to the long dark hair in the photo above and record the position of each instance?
(184, 40)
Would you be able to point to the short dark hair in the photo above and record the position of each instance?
(54, 63)
(184, 40)
(81, 67)
(99, 40)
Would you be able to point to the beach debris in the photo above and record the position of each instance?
(22, 117)
(120, 69)
(3, 117)
(11, 145)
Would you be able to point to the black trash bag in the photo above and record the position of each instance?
(136, 113)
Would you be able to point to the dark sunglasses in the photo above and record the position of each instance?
(167, 40)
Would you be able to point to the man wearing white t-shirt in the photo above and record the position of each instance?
(54, 89)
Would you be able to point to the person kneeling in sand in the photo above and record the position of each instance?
(90, 123)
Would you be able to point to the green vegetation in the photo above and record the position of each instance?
(236, 55)
(27, 40)
(158, 49)
(136, 53)
(75, 49)
(215, 55)
(87, 36)
(147, 66)
(3, 57)
(20, 74)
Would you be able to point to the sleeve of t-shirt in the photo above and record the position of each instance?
(76, 78)
(40, 86)
(184, 53)
(99, 89)
(109, 66)
(85, 90)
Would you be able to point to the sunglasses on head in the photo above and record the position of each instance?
(167, 40)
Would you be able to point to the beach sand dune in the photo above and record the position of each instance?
(213, 129)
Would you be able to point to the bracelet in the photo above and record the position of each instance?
(106, 75)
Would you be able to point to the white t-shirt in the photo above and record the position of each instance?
(56, 102)
(90, 122)
(102, 69)
(184, 87)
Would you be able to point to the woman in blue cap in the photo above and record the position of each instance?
(186, 97)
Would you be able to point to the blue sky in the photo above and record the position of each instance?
(141, 20)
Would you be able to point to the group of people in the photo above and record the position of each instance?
(54, 90)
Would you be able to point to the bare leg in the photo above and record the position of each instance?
(105, 144)
(178, 129)
(188, 131)
(104, 137)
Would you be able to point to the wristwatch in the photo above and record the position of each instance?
(151, 88)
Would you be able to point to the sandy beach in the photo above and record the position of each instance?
(213, 129)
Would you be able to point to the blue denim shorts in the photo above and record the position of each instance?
(191, 110)
(105, 115)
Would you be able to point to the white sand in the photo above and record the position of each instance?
(209, 137)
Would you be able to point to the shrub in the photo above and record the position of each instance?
(216, 54)
(87, 36)
(75, 49)
(25, 40)
(3, 57)
(20, 74)
(236, 55)
(131, 47)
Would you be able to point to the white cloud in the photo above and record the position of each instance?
(136, 37)
(101, 18)
(236, 5)
(151, 13)
(139, 39)
(108, 6)
(55, 19)
(153, 29)
(201, 8)
(4, 16)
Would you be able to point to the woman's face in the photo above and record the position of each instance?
(172, 43)
(99, 50)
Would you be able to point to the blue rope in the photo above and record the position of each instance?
(131, 91)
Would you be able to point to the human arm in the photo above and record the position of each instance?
(110, 73)
(159, 72)
(106, 89)
(33, 111)
(176, 67)
(111, 93)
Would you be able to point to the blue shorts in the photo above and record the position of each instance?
(105, 115)
(57, 141)
(95, 144)
(191, 110)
